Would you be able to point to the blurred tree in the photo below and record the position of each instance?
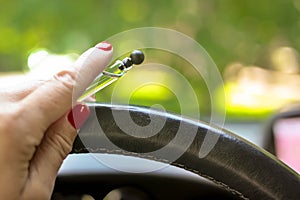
(230, 30)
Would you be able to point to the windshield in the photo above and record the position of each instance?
(254, 45)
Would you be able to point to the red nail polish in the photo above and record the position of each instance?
(105, 46)
(78, 115)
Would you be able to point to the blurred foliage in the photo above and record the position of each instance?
(229, 30)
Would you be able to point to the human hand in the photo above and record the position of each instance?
(37, 128)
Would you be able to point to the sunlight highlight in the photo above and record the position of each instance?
(44, 64)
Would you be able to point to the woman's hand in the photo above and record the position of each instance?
(37, 128)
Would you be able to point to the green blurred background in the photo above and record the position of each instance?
(255, 44)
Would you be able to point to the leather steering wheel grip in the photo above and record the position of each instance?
(233, 163)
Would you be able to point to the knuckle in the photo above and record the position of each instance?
(10, 117)
(61, 143)
(67, 78)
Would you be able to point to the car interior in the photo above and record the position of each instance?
(128, 167)
(209, 107)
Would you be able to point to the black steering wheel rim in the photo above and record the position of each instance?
(240, 167)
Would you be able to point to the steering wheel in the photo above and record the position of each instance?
(232, 169)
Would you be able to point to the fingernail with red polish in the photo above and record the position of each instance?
(105, 46)
(78, 115)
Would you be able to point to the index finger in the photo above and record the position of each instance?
(55, 97)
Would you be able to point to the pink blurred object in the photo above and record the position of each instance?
(287, 141)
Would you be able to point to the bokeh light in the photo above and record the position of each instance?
(255, 44)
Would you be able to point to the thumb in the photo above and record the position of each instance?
(55, 146)
(54, 98)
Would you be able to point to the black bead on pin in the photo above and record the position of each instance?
(135, 58)
(112, 73)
